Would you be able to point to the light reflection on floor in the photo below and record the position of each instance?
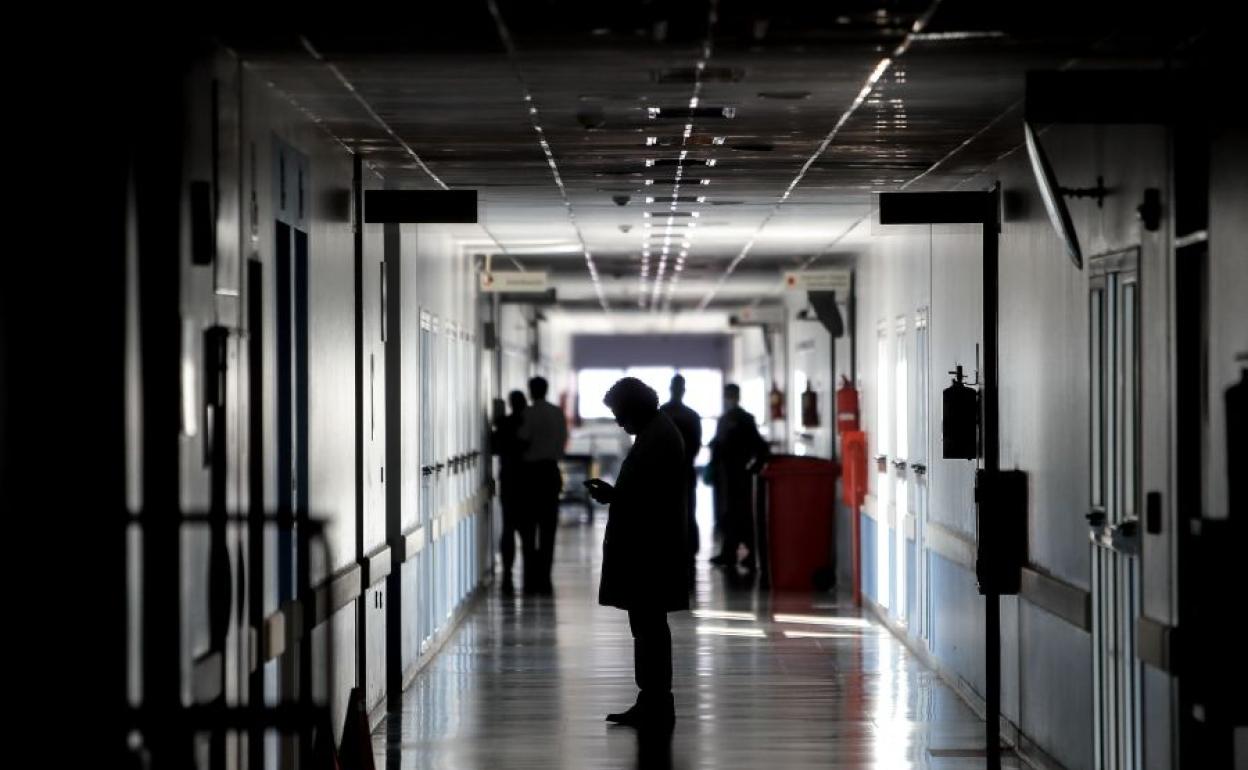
(800, 682)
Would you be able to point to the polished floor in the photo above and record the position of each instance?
(793, 683)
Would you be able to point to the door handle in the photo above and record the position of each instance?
(900, 465)
(919, 469)
(1125, 537)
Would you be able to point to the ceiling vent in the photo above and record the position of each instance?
(676, 112)
(690, 75)
(784, 95)
(675, 199)
(659, 162)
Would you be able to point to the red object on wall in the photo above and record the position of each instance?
(777, 402)
(846, 407)
(801, 496)
(853, 492)
(854, 470)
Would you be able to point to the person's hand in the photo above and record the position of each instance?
(601, 491)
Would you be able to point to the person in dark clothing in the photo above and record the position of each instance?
(737, 446)
(644, 550)
(689, 423)
(506, 445)
(544, 431)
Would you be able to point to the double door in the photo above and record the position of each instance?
(1113, 327)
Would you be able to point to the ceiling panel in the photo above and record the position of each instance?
(797, 155)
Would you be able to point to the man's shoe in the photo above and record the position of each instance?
(631, 716)
(660, 714)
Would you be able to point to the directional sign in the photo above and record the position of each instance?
(818, 280)
(513, 281)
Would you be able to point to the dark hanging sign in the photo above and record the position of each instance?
(936, 208)
(420, 206)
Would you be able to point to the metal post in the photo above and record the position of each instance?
(361, 468)
(393, 262)
(853, 328)
(255, 504)
(988, 394)
(831, 413)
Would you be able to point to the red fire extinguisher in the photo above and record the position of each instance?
(846, 407)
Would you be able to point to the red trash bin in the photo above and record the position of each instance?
(800, 499)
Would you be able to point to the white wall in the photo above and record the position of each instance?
(1046, 661)
(255, 125)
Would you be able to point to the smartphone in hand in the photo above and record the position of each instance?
(599, 490)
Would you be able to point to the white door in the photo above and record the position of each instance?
(883, 482)
(428, 476)
(1113, 306)
(901, 483)
(921, 623)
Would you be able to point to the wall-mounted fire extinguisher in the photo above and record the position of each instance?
(846, 407)
(810, 407)
(777, 402)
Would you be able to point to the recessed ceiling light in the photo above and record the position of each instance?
(784, 95)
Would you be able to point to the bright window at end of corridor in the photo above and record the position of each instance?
(754, 401)
(657, 377)
(704, 389)
(704, 392)
(591, 386)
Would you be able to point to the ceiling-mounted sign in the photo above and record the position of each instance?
(818, 280)
(407, 206)
(514, 281)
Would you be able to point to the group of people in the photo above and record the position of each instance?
(529, 443)
(735, 451)
(651, 536)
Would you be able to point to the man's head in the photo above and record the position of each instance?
(732, 396)
(537, 388)
(678, 388)
(633, 402)
(517, 401)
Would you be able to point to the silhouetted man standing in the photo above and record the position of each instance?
(689, 423)
(506, 445)
(545, 433)
(736, 445)
(644, 551)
